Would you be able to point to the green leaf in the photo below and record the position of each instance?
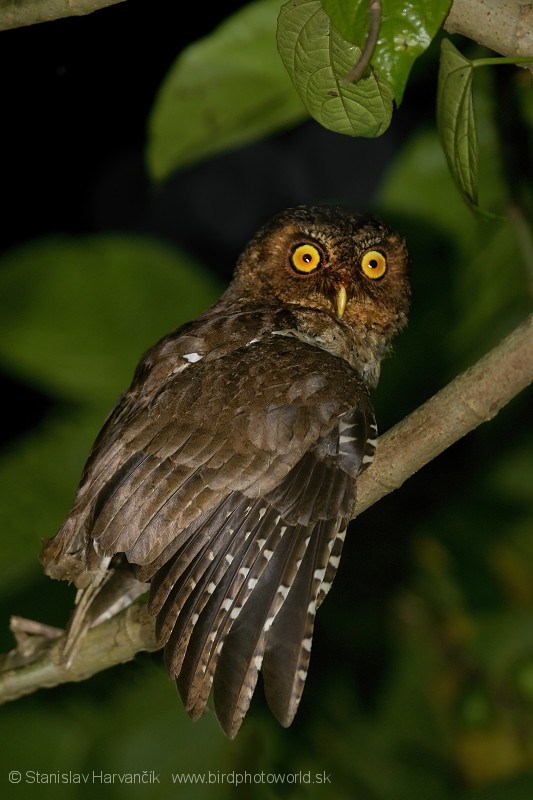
(350, 18)
(456, 121)
(39, 474)
(406, 31)
(318, 58)
(227, 89)
(514, 787)
(77, 314)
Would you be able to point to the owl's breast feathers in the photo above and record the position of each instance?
(225, 478)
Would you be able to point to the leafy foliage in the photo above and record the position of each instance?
(456, 119)
(318, 58)
(455, 114)
(222, 91)
(406, 31)
(421, 679)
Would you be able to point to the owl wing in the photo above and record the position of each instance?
(230, 493)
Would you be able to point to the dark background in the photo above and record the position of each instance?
(76, 95)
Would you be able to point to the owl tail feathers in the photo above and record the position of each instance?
(235, 646)
(98, 602)
(110, 591)
(272, 634)
(286, 658)
(106, 584)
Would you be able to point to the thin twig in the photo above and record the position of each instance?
(374, 13)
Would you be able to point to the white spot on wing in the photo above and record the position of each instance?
(192, 357)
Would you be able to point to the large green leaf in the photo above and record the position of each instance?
(223, 91)
(39, 474)
(76, 314)
(318, 58)
(456, 121)
(406, 31)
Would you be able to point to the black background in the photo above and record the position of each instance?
(76, 95)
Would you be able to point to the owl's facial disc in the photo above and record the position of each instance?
(307, 258)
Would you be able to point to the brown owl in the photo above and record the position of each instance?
(223, 481)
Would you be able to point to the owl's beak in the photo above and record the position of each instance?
(340, 301)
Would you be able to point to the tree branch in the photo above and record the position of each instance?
(505, 26)
(474, 397)
(19, 13)
(38, 660)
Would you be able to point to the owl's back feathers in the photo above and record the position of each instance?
(225, 478)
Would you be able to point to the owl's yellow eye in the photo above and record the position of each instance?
(305, 258)
(374, 264)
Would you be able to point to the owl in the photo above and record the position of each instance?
(223, 481)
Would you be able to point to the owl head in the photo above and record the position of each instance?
(351, 266)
